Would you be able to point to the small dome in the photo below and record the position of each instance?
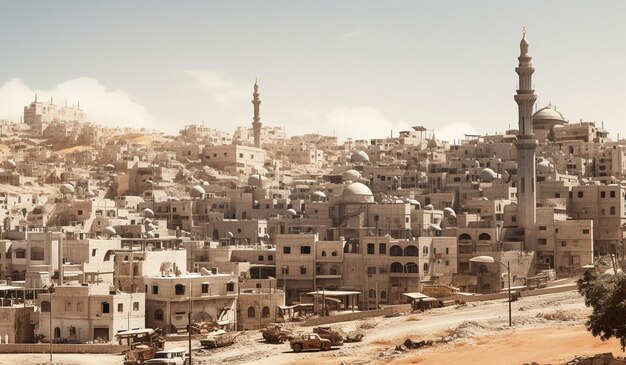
(351, 175)
(544, 165)
(318, 195)
(357, 193)
(147, 220)
(148, 213)
(150, 227)
(449, 212)
(360, 157)
(257, 180)
(488, 175)
(67, 188)
(292, 212)
(548, 117)
(109, 167)
(150, 234)
(197, 191)
(10, 164)
(110, 231)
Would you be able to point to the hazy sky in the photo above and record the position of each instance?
(358, 68)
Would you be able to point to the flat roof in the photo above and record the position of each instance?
(334, 293)
(135, 332)
(416, 295)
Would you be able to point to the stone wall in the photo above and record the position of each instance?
(392, 309)
(57, 348)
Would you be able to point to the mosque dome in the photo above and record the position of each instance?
(197, 191)
(257, 180)
(148, 213)
(547, 118)
(360, 157)
(487, 175)
(318, 196)
(67, 188)
(357, 193)
(449, 212)
(351, 175)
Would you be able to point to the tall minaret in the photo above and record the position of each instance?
(256, 122)
(526, 145)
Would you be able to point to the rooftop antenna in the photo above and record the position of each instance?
(35, 97)
(79, 105)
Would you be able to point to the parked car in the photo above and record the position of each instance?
(310, 341)
(168, 357)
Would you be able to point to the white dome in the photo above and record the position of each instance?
(150, 234)
(488, 175)
(110, 231)
(292, 212)
(449, 211)
(318, 195)
(148, 213)
(257, 180)
(360, 157)
(67, 188)
(109, 167)
(357, 193)
(351, 175)
(197, 191)
(10, 164)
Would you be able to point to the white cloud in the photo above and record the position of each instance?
(355, 33)
(223, 89)
(450, 132)
(102, 106)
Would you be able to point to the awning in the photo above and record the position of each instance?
(334, 293)
(416, 295)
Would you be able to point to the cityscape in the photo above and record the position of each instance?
(149, 241)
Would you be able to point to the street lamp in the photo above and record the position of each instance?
(491, 260)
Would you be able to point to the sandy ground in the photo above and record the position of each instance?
(546, 329)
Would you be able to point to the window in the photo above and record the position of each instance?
(120, 307)
(265, 312)
(542, 241)
(155, 289)
(93, 252)
(563, 244)
(382, 248)
(286, 250)
(302, 270)
(370, 249)
(543, 228)
(72, 331)
(612, 211)
(305, 250)
(603, 194)
(80, 212)
(180, 289)
(36, 253)
(261, 258)
(135, 306)
(371, 271)
(447, 250)
(270, 257)
(20, 254)
(580, 194)
(251, 312)
(105, 307)
(334, 253)
(585, 231)
(323, 253)
(230, 286)
(158, 315)
(613, 194)
(372, 293)
(79, 306)
(45, 306)
(68, 306)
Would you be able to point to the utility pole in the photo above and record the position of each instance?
(50, 329)
(189, 317)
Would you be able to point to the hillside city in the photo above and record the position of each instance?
(106, 231)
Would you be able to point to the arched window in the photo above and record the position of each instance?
(383, 294)
(251, 312)
(180, 289)
(334, 253)
(372, 293)
(411, 267)
(411, 251)
(266, 311)
(397, 267)
(484, 237)
(612, 210)
(45, 306)
(395, 250)
(57, 332)
(216, 234)
(425, 250)
(425, 267)
(135, 270)
(465, 237)
(158, 315)
(323, 253)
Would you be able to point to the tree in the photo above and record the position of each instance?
(606, 295)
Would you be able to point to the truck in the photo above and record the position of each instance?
(168, 357)
(309, 341)
(335, 338)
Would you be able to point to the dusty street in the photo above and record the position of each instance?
(546, 328)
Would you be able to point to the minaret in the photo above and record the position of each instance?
(526, 144)
(256, 122)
